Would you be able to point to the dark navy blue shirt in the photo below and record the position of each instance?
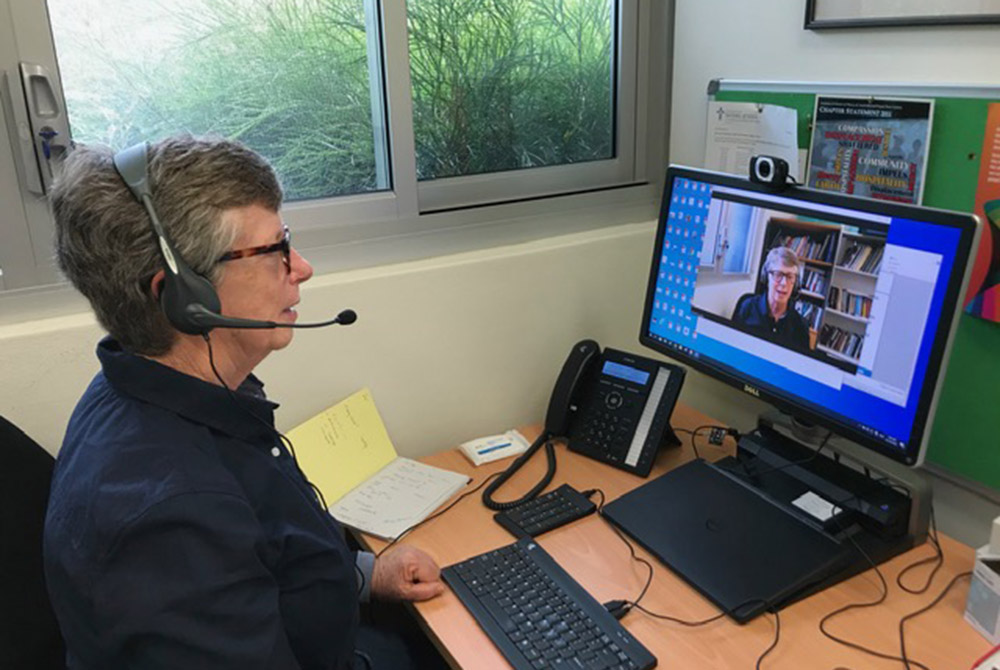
(181, 535)
(753, 314)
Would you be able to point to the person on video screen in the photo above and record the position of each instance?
(771, 314)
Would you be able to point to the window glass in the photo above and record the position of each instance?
(290, 78)
(510, 84)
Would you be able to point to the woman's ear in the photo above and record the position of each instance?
(156, 284)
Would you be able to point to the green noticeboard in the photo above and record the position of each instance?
(965, 438)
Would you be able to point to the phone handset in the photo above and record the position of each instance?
(574, 372)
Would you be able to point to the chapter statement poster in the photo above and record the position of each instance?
(871, 147)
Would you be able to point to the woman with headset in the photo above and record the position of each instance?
(771, 314)
(180, 532)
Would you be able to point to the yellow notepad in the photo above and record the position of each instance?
(346, 452)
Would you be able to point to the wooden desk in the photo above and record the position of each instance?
(590, 551)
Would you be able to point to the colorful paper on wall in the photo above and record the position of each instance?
(983, 296)
(871, 147)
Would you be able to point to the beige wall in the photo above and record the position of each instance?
(452, 348)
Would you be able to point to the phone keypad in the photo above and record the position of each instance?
(609, 431)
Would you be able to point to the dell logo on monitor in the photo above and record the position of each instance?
(751, 390)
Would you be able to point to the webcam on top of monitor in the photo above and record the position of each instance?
(769, 170)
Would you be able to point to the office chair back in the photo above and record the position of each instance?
(29, 633)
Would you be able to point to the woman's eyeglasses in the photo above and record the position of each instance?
(284, 246)
(783, 277)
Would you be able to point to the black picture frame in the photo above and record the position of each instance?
(958, 19)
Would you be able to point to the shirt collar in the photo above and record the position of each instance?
(190, 397)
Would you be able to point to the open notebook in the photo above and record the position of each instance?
(346, 452)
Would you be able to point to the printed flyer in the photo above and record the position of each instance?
(871, 147)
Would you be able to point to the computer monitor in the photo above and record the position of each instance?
(867, 291)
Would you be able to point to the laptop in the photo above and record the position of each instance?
(741, 550)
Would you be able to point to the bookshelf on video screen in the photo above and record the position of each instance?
(834, 308)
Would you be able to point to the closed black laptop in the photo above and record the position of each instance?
(740, 550)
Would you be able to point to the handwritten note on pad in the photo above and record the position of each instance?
(346, 452)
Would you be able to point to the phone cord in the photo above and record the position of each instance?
(550, 454)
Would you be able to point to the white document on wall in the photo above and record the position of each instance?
(398, 496)
(739, 130)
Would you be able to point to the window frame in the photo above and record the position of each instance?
(413, 219)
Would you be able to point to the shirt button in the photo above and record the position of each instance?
(275, 452)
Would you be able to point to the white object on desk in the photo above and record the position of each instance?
(494, 447)
(982, 608)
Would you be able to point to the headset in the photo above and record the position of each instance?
(188, 299)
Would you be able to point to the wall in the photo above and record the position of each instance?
(764, 40)
(453, 347)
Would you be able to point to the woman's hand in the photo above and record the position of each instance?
(406, 573)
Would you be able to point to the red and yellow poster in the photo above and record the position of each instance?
(983, 296)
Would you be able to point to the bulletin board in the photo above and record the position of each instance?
(965, 437)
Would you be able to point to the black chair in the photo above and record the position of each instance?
(29, 633)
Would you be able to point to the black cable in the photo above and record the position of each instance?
(550, 472)
(777, 636)
(436, 514)
(937, 559)
(913, 615)
(731, 432)
(320, 500)
(878, 601)
(649, 566)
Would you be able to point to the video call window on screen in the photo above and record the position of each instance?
(835, 308)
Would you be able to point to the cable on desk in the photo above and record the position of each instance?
(437, 514)
(908, 663)
(937, 559)
(777, 636)
(620, 608)
(913, 615)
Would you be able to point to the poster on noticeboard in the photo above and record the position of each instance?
(871, 147)
(983, 296)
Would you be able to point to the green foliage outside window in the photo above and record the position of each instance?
(497, 84)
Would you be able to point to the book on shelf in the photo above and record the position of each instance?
(874, 262)
(806, 247)
(863, 257)
(811, 312)
(814, 281)
(847, 302)
(842, 341)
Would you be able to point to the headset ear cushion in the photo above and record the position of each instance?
(182, 291)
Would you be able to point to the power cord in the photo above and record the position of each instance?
(777, 636)
(907, 662)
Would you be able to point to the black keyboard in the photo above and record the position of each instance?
(539, 616)
(547, 511)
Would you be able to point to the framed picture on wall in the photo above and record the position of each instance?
(827, 14)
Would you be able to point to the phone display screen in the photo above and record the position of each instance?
(625, 372)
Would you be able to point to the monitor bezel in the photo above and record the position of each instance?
(944, 336)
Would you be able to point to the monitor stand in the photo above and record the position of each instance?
(738, 530)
